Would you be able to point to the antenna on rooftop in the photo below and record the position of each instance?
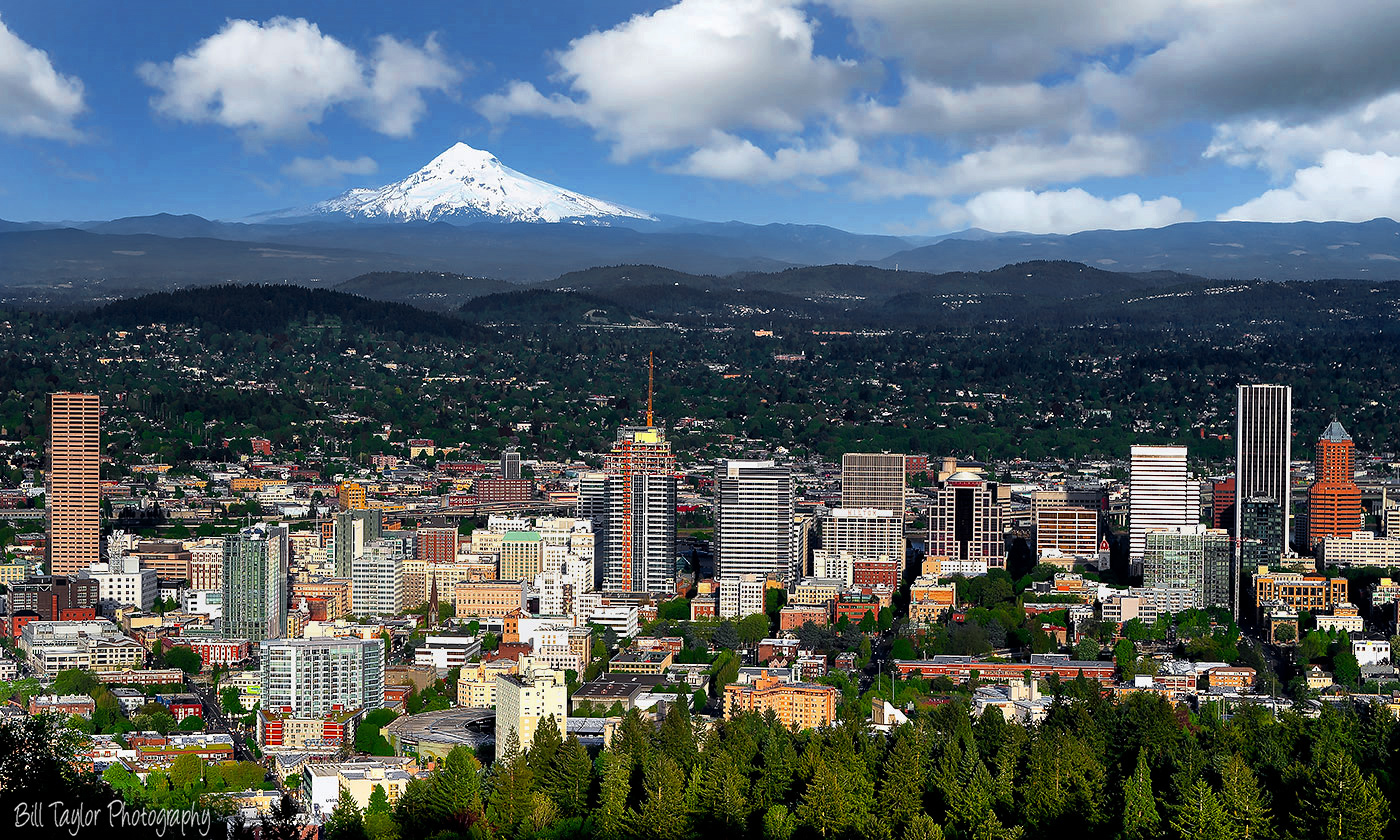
(651, 379)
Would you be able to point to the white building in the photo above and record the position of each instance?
(446, 652)
(121, 582)
(376, 579)
(206, 602)
(754, 521)
(523, 701)
(741, 595)
(624, 621)
(310, 677)
(1368, 652)
(1362, 548)
(866, 532)
(1160, 494)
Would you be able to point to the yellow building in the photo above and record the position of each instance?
(476, 684)
(803, 705)
(352, 496)
(930, 601)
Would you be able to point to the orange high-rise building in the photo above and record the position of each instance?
(1334, 500)
(73, 485)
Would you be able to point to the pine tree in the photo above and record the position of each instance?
(827, 808)
(778, 823)
(922, 827)
(972, 799)
(676, 737)
(663, 808)
(1140, 818)
(570, 778)
(779, 765)
(612, 814)
(719, 795)
(901, 787)
(991, 829)
(511, 799)
(452, 798)
(1338, 802)
(543, 745)
(345, 822)
(1200, 816)
(1246, 804)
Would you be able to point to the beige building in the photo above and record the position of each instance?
(476, 684)
(489, 598)
(526, 699)
(1068, 530)
(800, 705)
(72, 482)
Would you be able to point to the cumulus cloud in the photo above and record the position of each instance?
(1059, 212)
(990, 110)
(328, 169)
(672, 78)
(35, 99)
(736, 159)
(1343, 186)
(1280, 146)
(1010, 164)
(274, 80)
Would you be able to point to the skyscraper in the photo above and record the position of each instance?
(354, 529)
(640, 527)
(72, 482)
(965, 521)
(255, 583)
(1263, 440)
(1159, 493)
(510, 465)
(1334, 500)
(872, 481)
(310, 677)
(753, 520)
(376, 579)
(1190, 557)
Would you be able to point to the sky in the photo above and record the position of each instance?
(878, 116)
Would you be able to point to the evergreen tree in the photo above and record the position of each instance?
(1140, 818)
(570, 778)
(1200, 816)
(345, 821)
(1246, 804)
(612, 814)
(991, 829)
(833, 804)
(922, 827)
(662, 814)
(901, 785)
(1339, 802)
(718, 795)
(971, 801)
(451, 799)
(511, 799)
(778, 823)
(543, 746)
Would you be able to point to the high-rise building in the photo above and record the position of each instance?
(1263, 441)
(753, 520)
(510, 465)
(526, 700)
(1334, 500)
(376, 579)
(873, 481)
(1190, 557)
(72, 482)
(640, 521)
(1072, 531)
(311, 677)
(965, 521)
(864, 532)
(522, 555)
(436, 544)
(255, 583)
(353, 530)
(1159, 494)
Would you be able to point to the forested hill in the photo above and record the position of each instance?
(268, 309)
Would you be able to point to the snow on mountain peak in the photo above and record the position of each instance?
(468, 183)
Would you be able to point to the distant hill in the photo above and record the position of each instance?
(433, 290)
(1243, 250)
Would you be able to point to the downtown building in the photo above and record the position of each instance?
(965, 522)
(754, 521)
(873, 481)
(376, 579)
(632, 506)
(308, 678)
(1334, 499)
(1190, 557)
(72, 482)
(1263, 442)
(1160, 494)
(255, 583)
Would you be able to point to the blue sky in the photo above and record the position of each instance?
(898, 116)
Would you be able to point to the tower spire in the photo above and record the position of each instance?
(651, 372)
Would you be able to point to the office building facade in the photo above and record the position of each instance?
(753, 521)
(1334, 499)
(965, 521)
(1263, 443)
(873, 481)
(72, 482)
(1160, 493)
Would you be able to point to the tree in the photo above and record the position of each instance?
(74, 681)
(345, 821)
(184, 658)
(752, 629)
(378, 801)
(902, 649)
(192, 723)
(569, 778)
(512, 785)
(726, 635)
(836, 802)
(1087, 649)
(778, 823)
(611, 816)
(185, 771)
(232, 701)
(1345, 670)
(1338, 802)
(1246, 805)
(1140, 819)
(1286, 633)
(901, 785)
(1200, 816)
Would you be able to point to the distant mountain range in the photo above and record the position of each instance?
(467, 215)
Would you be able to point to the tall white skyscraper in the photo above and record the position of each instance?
(1263, 442)
(753, 520)
(376, 576)
(1161, 494)
(638, 500)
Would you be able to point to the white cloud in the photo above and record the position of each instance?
(736, 159)
(1343, 186)
(328, 170)
(35, 99)
(928, 107)
(1010, 164)
(1281, 147)
(670, 79)
(1059, 212)
(274, 80)
(401, 73)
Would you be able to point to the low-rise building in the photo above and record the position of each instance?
(929, 600)
(62, 704)
(800, 705)
(489, 598)
(1343, 617)
(641, 662)
(282, 732)
(1240, 678)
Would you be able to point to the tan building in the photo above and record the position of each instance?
(489, 598)
(352, 496)
(1240, 678)
(930, 601)
(526, 700)
(336, 592)
(168, 557)
(73, 482)
(476, 683)
(1068, 530)
(521, 555)
(1300, 592)
(815, 592)
(206, 572)
(803, 705)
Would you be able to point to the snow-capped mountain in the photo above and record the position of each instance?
(464, 183)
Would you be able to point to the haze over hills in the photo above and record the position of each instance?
(466, 215)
